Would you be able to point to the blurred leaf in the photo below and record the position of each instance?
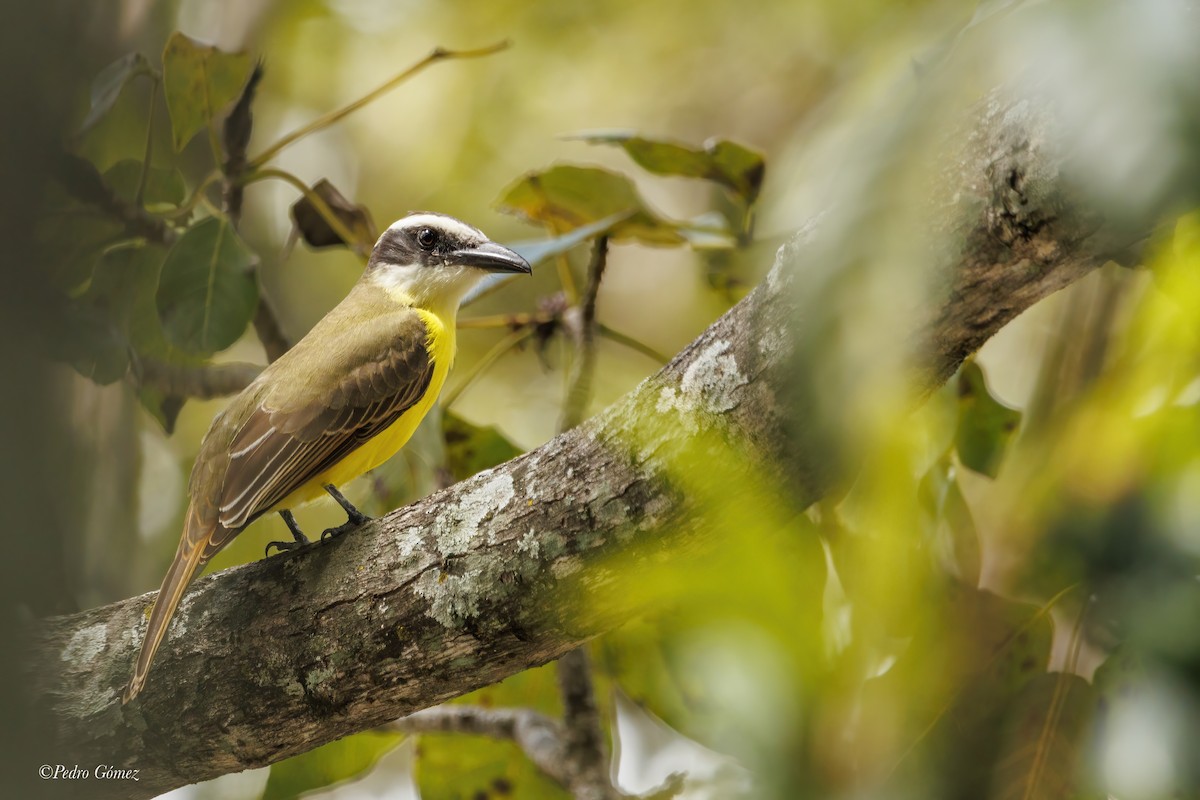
(316, 230)
(730, 164)
(985, 425)
(567, 197)
(199, 82)
(88, 340)
(987, 649)
(1046, 731)
(164, 185)
(124, 284)
(207, 293)
(456, 767)
(70, 243)
(336, 761)
(471, 449)
(164, 408)
(109, 84)
(642, 658)
(955, 538)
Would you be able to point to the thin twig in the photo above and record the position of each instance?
(335, 222)
(438, 54)
(580, 389)
(631, 343)
(585, 746)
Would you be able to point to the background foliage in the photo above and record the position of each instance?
(1001, 602)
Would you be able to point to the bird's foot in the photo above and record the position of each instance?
(354, 519)
(298, 537)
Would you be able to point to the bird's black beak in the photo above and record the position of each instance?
(493, 258)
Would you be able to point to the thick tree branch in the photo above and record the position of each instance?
(471, 584)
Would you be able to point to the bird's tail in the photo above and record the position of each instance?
(189, 558)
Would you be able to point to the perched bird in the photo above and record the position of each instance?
(341, 402)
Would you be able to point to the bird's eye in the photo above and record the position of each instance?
(427, 238)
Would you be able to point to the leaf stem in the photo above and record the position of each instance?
(318, 203)
(631, 343)
(438, 54)
(140, 195)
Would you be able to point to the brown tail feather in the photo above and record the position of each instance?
(189, 558)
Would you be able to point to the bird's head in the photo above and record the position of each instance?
(434, 260)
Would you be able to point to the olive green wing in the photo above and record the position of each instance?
(356, 385)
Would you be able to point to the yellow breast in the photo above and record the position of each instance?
(387, 443)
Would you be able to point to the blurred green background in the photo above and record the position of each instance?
(1003, 603)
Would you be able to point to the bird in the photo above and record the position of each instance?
(340, 402)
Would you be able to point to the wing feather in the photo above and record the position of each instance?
(279, 449)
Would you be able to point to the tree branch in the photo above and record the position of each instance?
(540, 737)
(469, 585)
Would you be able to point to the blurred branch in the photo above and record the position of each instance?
(438, 54)
(236, 135)
(585, 746)
(201, 382)
(543, 739)
(235, 132)
(471, 584)
(270, 334)
(84, 181)
(539, 736)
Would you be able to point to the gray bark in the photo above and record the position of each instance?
(470, 585)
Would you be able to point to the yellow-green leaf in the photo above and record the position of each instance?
(985, 425)
(735, 167)
(566, 197)
(207, 293)
(329, 764)
(164, 185)
(199, 82)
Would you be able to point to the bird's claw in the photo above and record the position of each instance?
(285, 546)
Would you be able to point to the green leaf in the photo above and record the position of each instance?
(164, 185)
(199, 82)
(109, 84)
(336, 761)
(471, 449)
(733, 166)
(985, 425)
(207, 293)
(566, 197)
(458, 767)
